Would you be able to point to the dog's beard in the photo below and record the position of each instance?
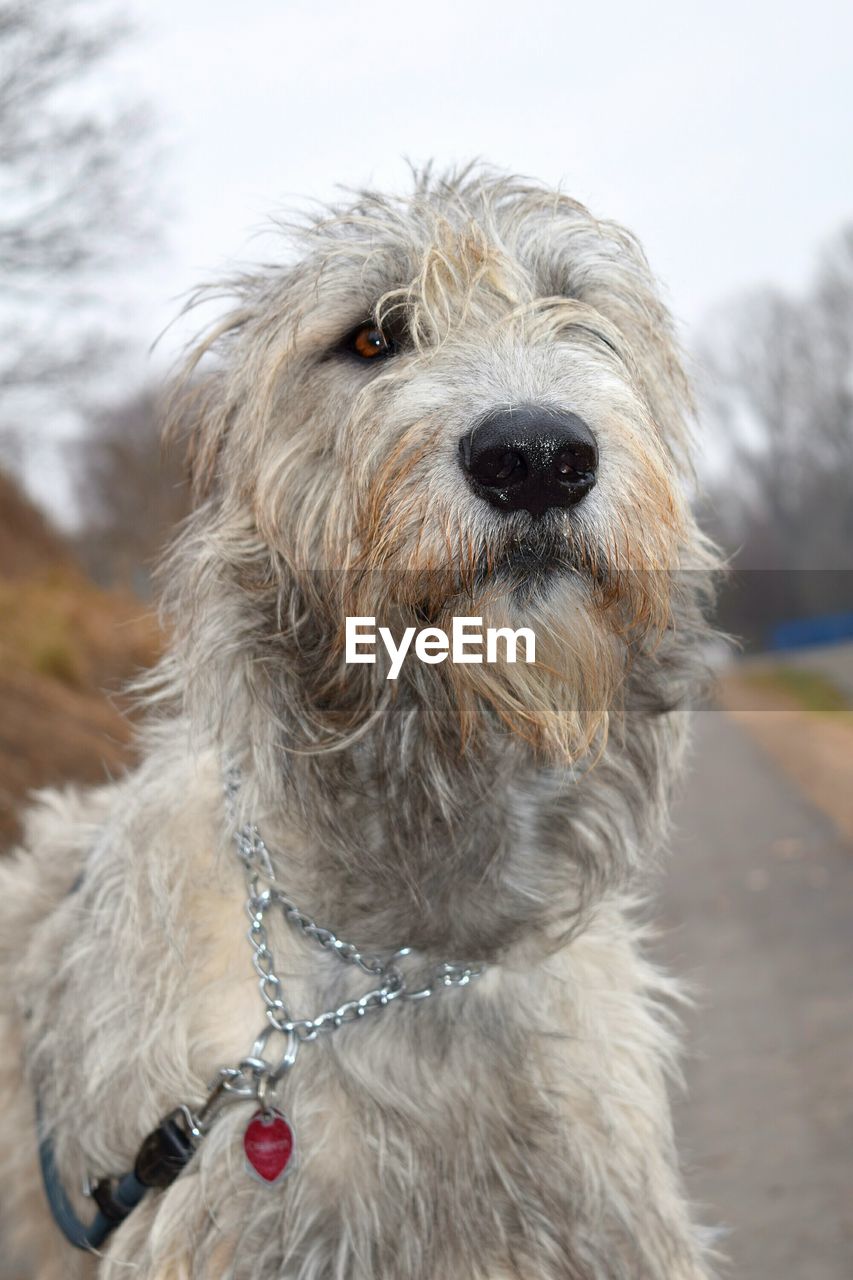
(586, 612)
(559, 703)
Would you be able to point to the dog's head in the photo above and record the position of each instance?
(465, 401)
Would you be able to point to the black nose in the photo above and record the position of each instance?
(530, 459)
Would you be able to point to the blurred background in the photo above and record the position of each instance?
(143, 145)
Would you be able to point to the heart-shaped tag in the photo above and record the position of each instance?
(268, 1144)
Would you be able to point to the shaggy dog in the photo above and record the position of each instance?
(464, 402)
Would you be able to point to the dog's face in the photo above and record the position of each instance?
(466, 402)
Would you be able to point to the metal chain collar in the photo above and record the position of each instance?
(255, 1075)
(169, 1147)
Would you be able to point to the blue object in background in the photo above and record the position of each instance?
(801, 633)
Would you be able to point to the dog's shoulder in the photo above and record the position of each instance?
(83, 846)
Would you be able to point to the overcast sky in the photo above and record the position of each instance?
(720, 132)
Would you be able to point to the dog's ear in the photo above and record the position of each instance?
(196, 420)
(229, 379)
(202, 401)
(619, 284)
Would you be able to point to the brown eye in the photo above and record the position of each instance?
(370, 343)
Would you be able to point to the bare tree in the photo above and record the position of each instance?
(131, 493)
(778, 391)
(68, 178)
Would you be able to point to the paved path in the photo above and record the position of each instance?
(758, 901)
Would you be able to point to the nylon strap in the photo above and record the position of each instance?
(126, 1195)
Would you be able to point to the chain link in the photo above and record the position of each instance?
(393, 985)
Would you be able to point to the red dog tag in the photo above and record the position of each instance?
(268, 1144)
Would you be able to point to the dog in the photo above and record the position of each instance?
(440, 1051)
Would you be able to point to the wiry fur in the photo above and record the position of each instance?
(519, 1128)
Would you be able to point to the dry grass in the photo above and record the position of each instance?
(808, 690)
(66, 647)
(805, 725)
(58, 624)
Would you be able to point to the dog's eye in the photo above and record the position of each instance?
(368, 342)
